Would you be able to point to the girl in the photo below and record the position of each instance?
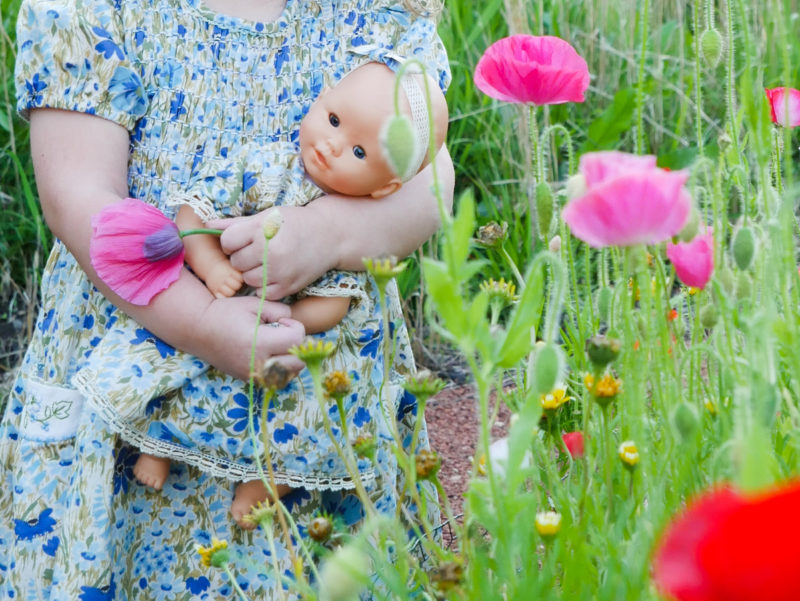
(133, 99)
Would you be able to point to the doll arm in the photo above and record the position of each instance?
(320, 313)
(204, 255)
(80, 163)
(338, 231)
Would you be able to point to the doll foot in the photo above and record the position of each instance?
(151, 471)
(247, 495)
(223, 280)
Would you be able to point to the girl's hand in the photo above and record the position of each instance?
(225, 332)
(298, 254)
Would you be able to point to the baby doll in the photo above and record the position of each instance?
(341, 153)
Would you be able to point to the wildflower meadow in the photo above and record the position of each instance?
(620, 270)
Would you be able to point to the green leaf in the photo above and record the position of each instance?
(458, 234)
(525, 317)
(446, 296)
(606, 131)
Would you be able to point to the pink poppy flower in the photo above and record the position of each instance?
(693, 261)
(574, 443)
(530, 69)
(778, 107)
(627, 200)
(727, 546)
(136, 250)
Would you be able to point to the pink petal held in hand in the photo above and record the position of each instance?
(628, 201)
(530, 69)
(693, 261)
(781, 99)
(136, 250)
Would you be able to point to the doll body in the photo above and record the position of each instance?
(341, 153)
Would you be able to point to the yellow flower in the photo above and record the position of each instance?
(629, 454)
(312, 351)
(427, 464)
(216, 555)
(711, 407)
(336, 384)
(384, 268)
(553, 400)
(500, 290)
(692, 290)
(548, 523)
(608, 386)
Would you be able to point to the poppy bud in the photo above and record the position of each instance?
(685, 420)
(272, 223)
(727, 280)
(399, 144)
(691, 228)
(605, 297)
(744, 286)
(711, 47)
(743, 247)
(708, 316)
(548, 364)
(544, 207)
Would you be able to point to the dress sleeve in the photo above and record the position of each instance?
(76, 55)
(386, 32)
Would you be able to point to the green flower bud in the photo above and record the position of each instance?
(602, 350)
(343, 575)
(709, 316)
(743, 247)
(744, 286)
(685, 420)
(271, 224)
(320, 529)
(548, 364)
(544, 207)
(711, 47)
(605, 298)
(735, 202)
(727, 280)
(399, 144)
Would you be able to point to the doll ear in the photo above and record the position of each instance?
(392, 186)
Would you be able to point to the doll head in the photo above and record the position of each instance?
(340, 135)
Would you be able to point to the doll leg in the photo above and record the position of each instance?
(204, 255)
(151, 471)
(247, 495)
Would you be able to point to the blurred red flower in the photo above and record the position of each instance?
(622, 200)
(693, 261)
(136, 250)
(778, 106)
(528, 69)
(574, 443)
(728, 546)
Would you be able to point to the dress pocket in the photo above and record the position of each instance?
(51, 412)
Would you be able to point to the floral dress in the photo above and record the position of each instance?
(212, 104)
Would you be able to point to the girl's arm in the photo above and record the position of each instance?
(337, 232)
(81, 166)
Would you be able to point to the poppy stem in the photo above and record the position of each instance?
(200, 230)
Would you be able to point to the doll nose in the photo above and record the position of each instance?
(334, 146)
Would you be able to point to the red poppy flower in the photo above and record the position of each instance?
(136, 250)
(694, 260)
(529, 69)
(574, 443)
(727, 546)
(784, 111)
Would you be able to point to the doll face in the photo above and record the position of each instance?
(339, 138)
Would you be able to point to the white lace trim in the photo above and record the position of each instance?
(347, 286)
(215, 466)
(204, 208)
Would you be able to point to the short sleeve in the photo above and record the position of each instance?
(388, 33)
(74, 55)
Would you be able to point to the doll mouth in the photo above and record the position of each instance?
(320, 159)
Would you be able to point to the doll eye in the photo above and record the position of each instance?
(333, 119)
(359, 152)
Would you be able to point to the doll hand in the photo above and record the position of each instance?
(297, 255)
(226, 331)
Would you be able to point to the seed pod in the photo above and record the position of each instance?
(726, 279)
(544, 207)
(692, 226)
(711, 47)
(743, 247)
(744, 286)
(602, 350)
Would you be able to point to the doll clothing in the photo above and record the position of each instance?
(198, 92)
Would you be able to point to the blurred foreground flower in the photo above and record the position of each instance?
(136, 250)
(693, 261)
(216, 555)
(312, 352)
(548, 523)
(727, 546)
(628, 201)
(344, 574)
(629, 454)
(536, 70)
(574, 443)
(778, 106)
